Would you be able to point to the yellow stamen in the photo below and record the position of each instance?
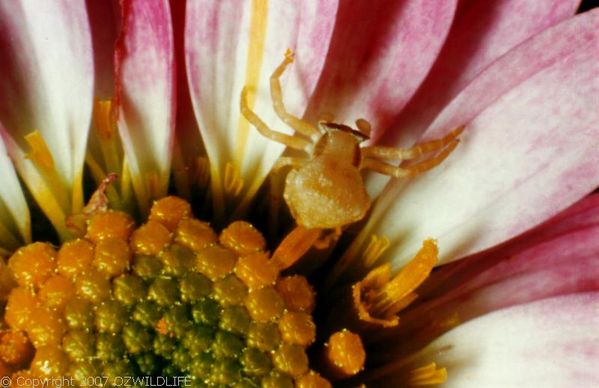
(40, 153)
(378, 298)
(105, 126)
(376, 247)
(103, 120)
(410, 277)
(233, 183)
(428, 375)
(202, 173)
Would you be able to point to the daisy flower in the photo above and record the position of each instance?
(460, 246)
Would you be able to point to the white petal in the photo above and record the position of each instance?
(550, 343)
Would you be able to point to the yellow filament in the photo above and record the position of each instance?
(40, 154)
(105, 126)
(428, 375)
(202, 171)
(103, 121)
(233, 182)
(257, 37)
(375, 249)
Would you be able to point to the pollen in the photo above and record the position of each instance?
(345, 353)
(169, 298)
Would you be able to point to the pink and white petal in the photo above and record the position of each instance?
(548, 343)
(481, 33)
(557, 258)
(527, 153)
(231, 44)
(46, 80)
(380, 53)
(145, 72)
(15, 224)
(104, 22)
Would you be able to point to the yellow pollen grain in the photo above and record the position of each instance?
(33, 264)
(109, 224)
(297, 293)
(265, 304)
(150, 239)
(345, 353)
(256, 270)
(46, 328)
(243, 238)
(49, 361)
(56, 292)
(312, 380)
(40, 153)
(297, 328)
(291, 359)
(170, 211)
(428, 375)
(112, 256)
(215, 262)
(20, 308)
(194, 234)
(74, 257)
(15, 348)
(230, 291)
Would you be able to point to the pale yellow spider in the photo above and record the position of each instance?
(324, 189)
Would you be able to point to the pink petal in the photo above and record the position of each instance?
(559, 257)
(219, 36)
(104, 22)
(549, 343)
(380, 53)
(46, 80)
(482, 32)
(145, 92)
(528, 152)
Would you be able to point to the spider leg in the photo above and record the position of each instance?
(408, 171)
(395, 153)
(300, 126)
(285, 161)
(294, 246)
(294, 142)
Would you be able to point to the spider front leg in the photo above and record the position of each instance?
(300, 126)
(419, 149)
(371, 156)
(294, 142)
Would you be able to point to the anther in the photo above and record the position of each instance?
(345, 354)
(233, 183)
(427, 375)
(376, 247)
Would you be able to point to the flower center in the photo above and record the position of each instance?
(170, 298)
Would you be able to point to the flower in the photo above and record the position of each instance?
(150, 91)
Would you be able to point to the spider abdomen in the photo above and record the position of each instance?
(326, 193)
